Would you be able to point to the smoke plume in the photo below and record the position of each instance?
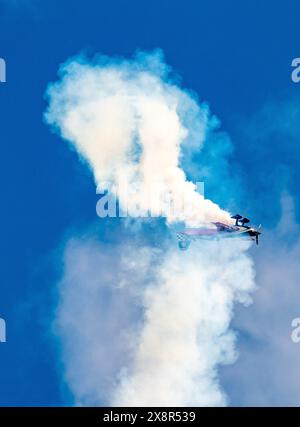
(129, 122)
(170, 310)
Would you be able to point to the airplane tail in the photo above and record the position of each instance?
(184, 244)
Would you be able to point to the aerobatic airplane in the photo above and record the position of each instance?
(220, 231)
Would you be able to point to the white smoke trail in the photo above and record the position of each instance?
(186, 330)
(129, 122)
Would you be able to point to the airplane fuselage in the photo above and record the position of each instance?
(219, 231)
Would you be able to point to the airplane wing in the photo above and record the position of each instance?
(224, 227)
(242, 231)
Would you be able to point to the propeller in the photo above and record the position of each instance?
(256, 234)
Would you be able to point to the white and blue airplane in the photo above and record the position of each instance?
(219, 231)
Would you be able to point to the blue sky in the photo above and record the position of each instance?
(236, 56)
